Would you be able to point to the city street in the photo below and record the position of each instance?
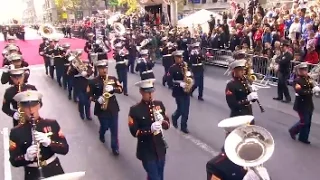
(187, 154)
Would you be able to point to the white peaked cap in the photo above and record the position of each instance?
(237, 63)
(144, 52)
(28, 96)
(13, 57)
(18, 71)
(232, 123)
(12, 47)
(147, 84)
(101, 63)
(178, 53)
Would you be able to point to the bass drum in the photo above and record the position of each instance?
(68, 176)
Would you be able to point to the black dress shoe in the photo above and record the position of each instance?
(174, 123)
(115, 152)
(277, 99)
(89, 118)
(102, 139)
(293, 136)
(305, 141)
(82, 116)
(286, 101)
(185, 130)
(200, 99)
(126, 94)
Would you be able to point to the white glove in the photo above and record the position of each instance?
(158, 116)
(254, 88)
(41, 53)
(251, 175)
(42, 138)
(31, 153)
(84, 73)
(109, 88)
(156, 126)
(100, 100)
(11, 66)
(16, 116)
(182, 84)
(252, 96)
(316, 89)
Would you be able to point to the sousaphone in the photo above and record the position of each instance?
(119, 28)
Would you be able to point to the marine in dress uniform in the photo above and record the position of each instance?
(196, 63)
(59, 60)
(50, 53)
(23, 151)
(175, 77)
(144, 65)
(65, 76)
(17, 78)
(108, 117)
(89, 46)
(146, 121)
(42, 48)
(12, 41)
(167, 61)
(121, 57)
(222, 168)
(238, 94)
(15, 61)
(303, 103)
(10, 49)
(80, 83)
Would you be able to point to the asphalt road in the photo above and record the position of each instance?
(187, 154)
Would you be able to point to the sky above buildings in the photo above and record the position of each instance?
(14, 9)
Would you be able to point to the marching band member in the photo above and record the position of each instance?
(303, 103)
(18, 84)
(222, 168)
(11, 49)
(132, 48)
(15, 61)
(59, 60)
(238, 94)
(167, 60)
(12, 41)
(80, 84)
(65, 60)
(24, 151)
(121, 56)
(101, 48)
(101, 90)
(146, 121)
(50, 53)
(197, 66)
(42, 48)
(144, 65)
(88, 48)
(175, 77)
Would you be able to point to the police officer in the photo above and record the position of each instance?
(42, 48)
(284, 62)
(167, 60)
(144, 65)
(238, 93)
(222, 168)
(303, 103)
(121, 57)
(146, 121)
(18, 84)
(15, 61)
(196, 62)
(89, 46)
(108, 118)
(175, 77)
(23, 152)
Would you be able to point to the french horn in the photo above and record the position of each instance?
(249, 146)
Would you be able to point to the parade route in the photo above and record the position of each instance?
(187, 154)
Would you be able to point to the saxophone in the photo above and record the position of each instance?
(106, 95)
(21, 114)
(187, 78)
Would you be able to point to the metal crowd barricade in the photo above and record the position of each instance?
(218, 57)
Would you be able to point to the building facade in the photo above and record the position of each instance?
(50, 13)
(29, 14)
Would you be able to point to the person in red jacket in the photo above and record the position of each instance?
(312, 56)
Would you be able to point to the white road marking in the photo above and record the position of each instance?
(6, 146)
(200, 144)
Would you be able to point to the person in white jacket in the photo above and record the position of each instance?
(295, 29)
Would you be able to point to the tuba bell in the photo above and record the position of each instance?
(249, 146)
(119, 28)
(47, 30)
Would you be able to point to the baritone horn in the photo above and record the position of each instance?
(119, 28)
(47, 30)
(249, 146)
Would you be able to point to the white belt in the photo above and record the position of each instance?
(200, 64)
(43, 163)
(167, 55)
(121, 62)
(146, 72)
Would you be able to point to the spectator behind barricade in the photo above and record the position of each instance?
(307, 31)
(295, 29)
(267, 51)
(281, 27)
(312, 56)
(245, 38)
(287, 22)
(267, 37)
(234, 40)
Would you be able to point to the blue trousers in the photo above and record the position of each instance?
(183, 104)
(84, 104)
(123, 78)
(198, 83)
(59, 74)
(70, 84)
(110, 122)
(131, 64)
(302, 127)
(154, 169)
